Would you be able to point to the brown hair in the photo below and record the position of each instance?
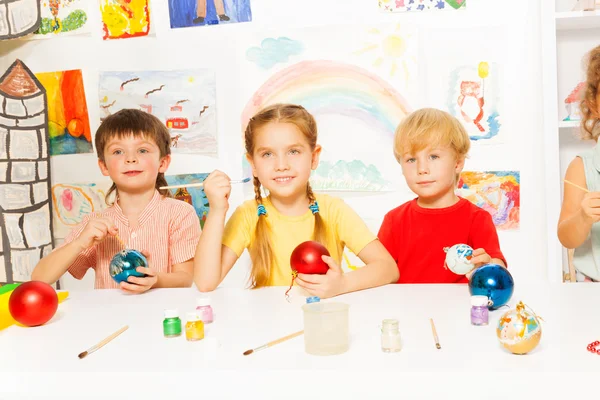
(136, 123)
(590, 109)
(261, 251)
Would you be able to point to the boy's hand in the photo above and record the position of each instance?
(136, 284)
(217, 187)
(590, 206)
(96, 230)
(329, 285)
(479, 259)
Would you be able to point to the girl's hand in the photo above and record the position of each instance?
(217, 187)
(590, 207)
(329, 285)
(135, 284)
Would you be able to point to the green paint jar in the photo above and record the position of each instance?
(172, 323)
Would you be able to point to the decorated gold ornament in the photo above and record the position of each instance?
(519, 330)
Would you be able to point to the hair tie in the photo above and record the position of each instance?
(314, 207)
(261, 210)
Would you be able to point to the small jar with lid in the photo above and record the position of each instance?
(204, 309)
(194, 327)
(391, 342)
(172, 323)
(479, 310)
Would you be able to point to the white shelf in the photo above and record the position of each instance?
(568, 124)
(575, 20)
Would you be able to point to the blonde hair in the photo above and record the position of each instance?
(136, 123)
(590, 109)
(430, 127)
(261, 250)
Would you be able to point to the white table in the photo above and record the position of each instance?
(42, 362)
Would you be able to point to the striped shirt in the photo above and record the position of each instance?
(168, 229)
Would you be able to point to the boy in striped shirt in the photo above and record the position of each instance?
(134, 151)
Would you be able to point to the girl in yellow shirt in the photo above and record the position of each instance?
(281, 147)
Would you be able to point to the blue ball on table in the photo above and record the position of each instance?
(124, 264)
(493, 281)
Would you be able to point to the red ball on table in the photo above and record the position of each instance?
(33, 303)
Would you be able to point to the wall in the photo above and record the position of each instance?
(441, 35)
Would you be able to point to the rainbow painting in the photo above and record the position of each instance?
(68, 121)
(497, 192)
(351, 105)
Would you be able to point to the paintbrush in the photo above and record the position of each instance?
(201, 184)
(103, 342)
(435, 336)
(120, 241)
(577, 186)
(273, 343)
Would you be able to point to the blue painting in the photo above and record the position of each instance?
(189, 13)
(193, 195)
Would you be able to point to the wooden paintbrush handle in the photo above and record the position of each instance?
(283, 339)
(577, 186)
(108, 339)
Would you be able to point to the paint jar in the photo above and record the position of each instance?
(313, 299)
(194, 327)
(326, 328)
(172, 323)
(391, 342)
(205, 311)
(479, 310)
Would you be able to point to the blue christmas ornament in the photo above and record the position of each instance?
(124, 264)
(493, 281)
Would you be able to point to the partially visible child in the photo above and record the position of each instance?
(134, 150)
(431, 146)
(281, 146)
(580, 212)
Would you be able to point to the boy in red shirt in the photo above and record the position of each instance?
(431, 146)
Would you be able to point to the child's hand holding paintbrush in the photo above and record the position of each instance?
(96, 230)
(590, 203)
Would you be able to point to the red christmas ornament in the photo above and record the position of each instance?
(33, 303)
(306, 259)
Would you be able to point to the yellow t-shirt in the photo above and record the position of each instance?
(344, 229)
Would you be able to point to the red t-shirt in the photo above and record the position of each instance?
(416, 237)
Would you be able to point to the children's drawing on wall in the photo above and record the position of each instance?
(187, 13)
(497, 192)
(572, 103)
(25, 210)
(420, 5)
(72, 201)
(68, 120)
(19, 19)
(192, 195)
(122, 19)
(473, 98)
(272, 51)
(341, 83)
(184, 100)
(63, 17)
(392, 54)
